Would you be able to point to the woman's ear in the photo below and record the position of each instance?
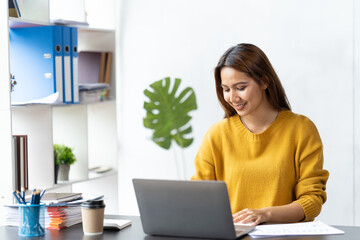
(264, 84)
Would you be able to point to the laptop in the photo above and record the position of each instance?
(196, 209)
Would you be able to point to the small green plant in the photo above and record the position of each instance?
(63, 155)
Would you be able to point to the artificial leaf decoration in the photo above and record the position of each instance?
(168, 114)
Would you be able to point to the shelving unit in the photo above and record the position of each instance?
(6, 176)
(90, 132)
(88, 128)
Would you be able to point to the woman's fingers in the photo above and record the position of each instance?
(248, 216)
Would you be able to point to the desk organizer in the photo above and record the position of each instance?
(32, 220)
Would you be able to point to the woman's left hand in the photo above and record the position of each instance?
(254, 216)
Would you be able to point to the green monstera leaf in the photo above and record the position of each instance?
(168, 114)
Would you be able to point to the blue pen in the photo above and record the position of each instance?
(42, 193)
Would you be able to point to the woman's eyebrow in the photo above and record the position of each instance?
(236, 84)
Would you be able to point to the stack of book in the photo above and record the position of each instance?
(59, 217)
(62, 210)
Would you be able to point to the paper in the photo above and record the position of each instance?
(52, 99)
(294, 229)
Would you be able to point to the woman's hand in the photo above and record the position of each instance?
(253, 216)
(292, 212)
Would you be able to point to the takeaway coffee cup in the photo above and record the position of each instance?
(93, 217)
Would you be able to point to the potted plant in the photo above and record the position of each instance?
(167, 114)
(63, 157)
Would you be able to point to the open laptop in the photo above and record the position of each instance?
(198, 209)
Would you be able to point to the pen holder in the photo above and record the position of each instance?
(32, 220)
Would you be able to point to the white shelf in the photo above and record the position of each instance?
(20, 22)
(92, 126)
(108, 101)
(91, 176)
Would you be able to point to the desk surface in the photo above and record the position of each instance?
(135, 232)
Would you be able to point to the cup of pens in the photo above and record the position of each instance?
(32, 217)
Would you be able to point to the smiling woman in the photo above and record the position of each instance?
(270, 158)
(246, 97)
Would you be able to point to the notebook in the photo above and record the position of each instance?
(176, 208)
(52, 198)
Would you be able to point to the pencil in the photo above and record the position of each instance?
(18, 194)
(14, 193)
(23, 193)
(37, 197)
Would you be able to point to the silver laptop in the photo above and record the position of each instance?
(199, 209)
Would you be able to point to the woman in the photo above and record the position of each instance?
(270, 158)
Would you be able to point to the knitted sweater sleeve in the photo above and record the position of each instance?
(311, 177)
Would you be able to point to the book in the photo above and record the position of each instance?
(102, 67)
(116, 223)
(108, 68)
(62, 216)
(51, 198)
(20, 151)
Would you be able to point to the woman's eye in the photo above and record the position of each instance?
(226, 90)
(241, 89)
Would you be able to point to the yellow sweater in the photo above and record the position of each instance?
(281, 165)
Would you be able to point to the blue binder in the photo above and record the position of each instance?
(74, 65)
(67, 64)
(36, 61)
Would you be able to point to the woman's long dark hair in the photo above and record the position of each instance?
(250, 59)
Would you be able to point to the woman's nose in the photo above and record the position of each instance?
(233, 96)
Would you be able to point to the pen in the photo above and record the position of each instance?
(42, 193)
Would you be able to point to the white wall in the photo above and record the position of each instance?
(310, 44)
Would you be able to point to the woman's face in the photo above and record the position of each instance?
(242, 92)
